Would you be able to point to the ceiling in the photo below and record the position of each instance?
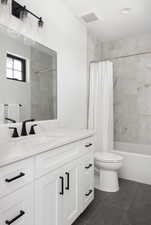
(112, 24)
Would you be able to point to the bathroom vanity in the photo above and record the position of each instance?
(46, 179)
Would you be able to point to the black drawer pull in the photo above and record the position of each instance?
(68, 181)
(89, 166)
(88, 145)
(15, 178)
(8, 222)
(90, 191)
(62, 186)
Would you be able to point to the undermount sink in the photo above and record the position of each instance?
(32, 143)
(28, 144)
(37, 139)
(29, 141)
(58, 133)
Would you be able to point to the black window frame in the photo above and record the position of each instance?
(23, 71)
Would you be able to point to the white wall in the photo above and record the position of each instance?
(66, 35)
(93, 48)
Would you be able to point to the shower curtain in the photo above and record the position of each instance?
(101, 104)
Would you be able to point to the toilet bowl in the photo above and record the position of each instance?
(108, 165)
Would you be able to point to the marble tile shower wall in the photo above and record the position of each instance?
(132, 89)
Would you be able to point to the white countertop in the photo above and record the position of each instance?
(25, 147)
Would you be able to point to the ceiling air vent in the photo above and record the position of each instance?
(89, 18)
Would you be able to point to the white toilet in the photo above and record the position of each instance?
(108, 165)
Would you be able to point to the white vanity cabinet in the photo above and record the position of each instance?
(62, 195)
(51, 188)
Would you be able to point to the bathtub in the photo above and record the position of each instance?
(137, 162)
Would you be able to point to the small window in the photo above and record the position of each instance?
(16, 68)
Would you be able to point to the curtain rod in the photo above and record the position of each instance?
(120, 57)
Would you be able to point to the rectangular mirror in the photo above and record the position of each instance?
(28, 79)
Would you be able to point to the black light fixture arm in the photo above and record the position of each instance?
(21, 11)
(40, 20)
(27, 11)
(33, 14)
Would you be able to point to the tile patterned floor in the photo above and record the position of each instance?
(130, 206)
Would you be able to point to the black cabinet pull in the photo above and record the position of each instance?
(90, 191)
(8, 222)
(88, 145)
(62, 186)
(68, 181)
(89, 166)
(15, 178)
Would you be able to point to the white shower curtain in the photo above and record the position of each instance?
(101, 104)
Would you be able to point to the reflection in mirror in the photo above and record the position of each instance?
(28, 79)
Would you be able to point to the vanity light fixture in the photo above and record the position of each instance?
(4, 2)
(21, 12)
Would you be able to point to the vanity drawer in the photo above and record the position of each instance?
(88, 170)
(88, 163)
(87, 179)
(17, 207)
(54, 159)
(87, 144)
(88, 196)
(15, 176)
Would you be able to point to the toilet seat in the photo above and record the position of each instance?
(108, 157)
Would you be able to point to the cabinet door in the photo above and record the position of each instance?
(17, 208)
(48, 199)
(71, 196)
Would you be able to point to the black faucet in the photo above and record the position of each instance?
(9, 119)
(15, 132)
(24, 130)
(32, 130)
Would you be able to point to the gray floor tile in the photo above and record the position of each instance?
(107, 215)
(125, 220)
(140, 215)
(125, 197)
(130, 206)
(143, 195)
(88, 213)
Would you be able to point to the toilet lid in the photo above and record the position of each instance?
(108, 157)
